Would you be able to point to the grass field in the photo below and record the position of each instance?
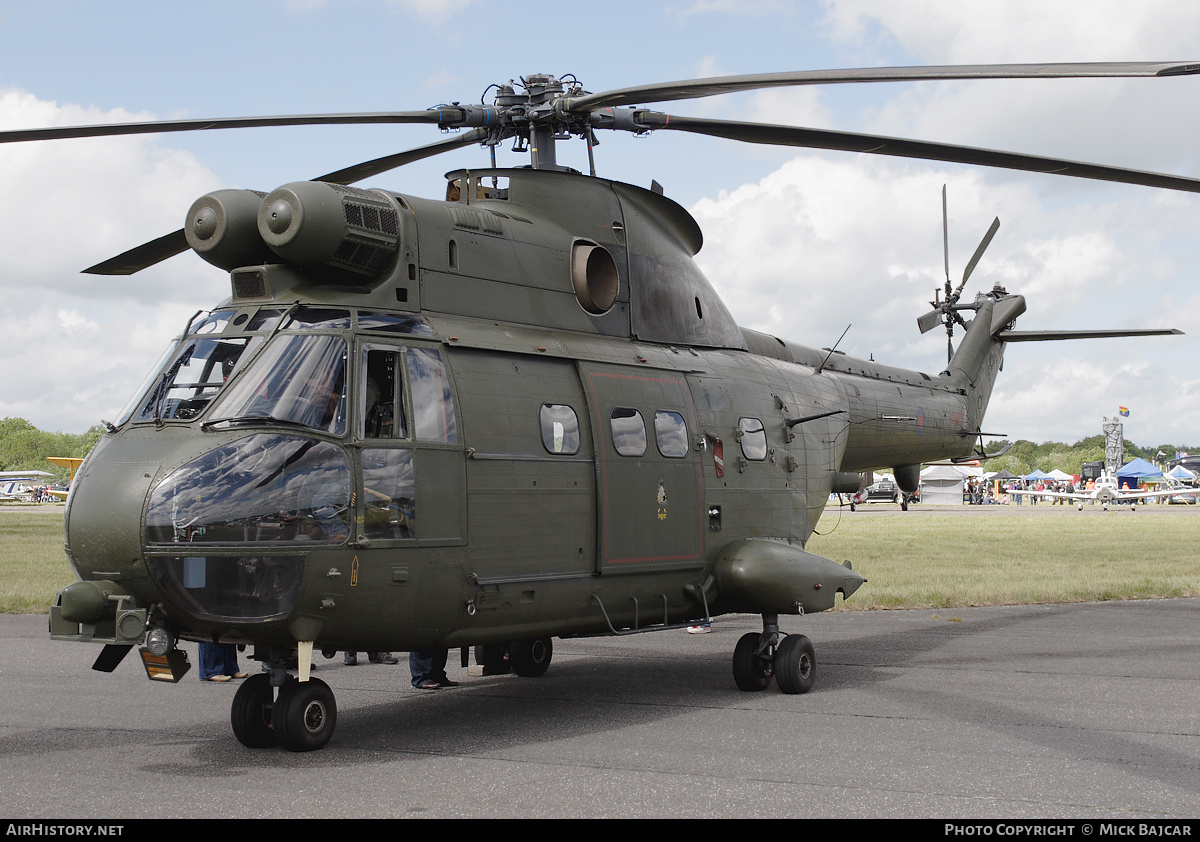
(33, 566)
(925, 560)
(935, 560)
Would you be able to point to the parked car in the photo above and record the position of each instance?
(1187, 494)
(883, 491)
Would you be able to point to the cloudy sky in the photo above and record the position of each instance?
(800, 244)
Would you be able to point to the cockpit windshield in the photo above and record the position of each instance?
(297, 379)
(190, 373)
(193, 378)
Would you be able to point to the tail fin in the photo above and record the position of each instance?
(973, 368)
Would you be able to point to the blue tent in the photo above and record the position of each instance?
(1129, 473)
(1038, 475)
(1138, 468)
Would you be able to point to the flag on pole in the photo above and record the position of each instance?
(1124, 410)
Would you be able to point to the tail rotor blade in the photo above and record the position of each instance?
(946, 239)
(930, 320)
(987, 238)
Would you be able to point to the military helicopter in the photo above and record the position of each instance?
(514, 413)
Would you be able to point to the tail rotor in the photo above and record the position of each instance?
(947, 311)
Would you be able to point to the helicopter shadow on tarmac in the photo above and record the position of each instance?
(601, 685)
(975, 694)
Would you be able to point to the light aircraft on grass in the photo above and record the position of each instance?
(1105, 492)
(15, 483)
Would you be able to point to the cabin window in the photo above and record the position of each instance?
(389, 494)
(671, 434)
(628, 431)
(560, 429)
(753, 438)
(433, 408)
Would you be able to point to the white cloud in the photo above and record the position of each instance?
(975, 31)
(75, 345)
(820, 244)
(433, 10)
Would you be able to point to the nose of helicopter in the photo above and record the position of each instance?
(104, 514)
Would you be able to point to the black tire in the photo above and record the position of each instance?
(750, 672)
(250, 713)
(530, 658)
(795, 664)
(493, 657)
(305, 715)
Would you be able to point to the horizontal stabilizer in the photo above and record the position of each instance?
(1053, 335)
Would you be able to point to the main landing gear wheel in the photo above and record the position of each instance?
(305, 715)
(530, 658)
(752, 667)
(250, 713)
(493, 657)
(795, 664)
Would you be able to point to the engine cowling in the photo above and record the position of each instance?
(313, 224)
(222, 227)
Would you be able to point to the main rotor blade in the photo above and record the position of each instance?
(777, 135)
(439, 115)
(140, 257)
(358, 172)
(696, 88)
(175, 243)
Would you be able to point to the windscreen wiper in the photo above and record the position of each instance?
(254, 419)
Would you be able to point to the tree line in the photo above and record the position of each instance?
(23, 447)
(1025, 457)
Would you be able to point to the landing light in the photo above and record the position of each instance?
(159, 641)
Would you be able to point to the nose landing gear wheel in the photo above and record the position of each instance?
(305, 715)
(751, 670)
(250, 713)
(795, 664)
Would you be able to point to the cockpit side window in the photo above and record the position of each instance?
(381, 411)
(389, 493)
(433, 407)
